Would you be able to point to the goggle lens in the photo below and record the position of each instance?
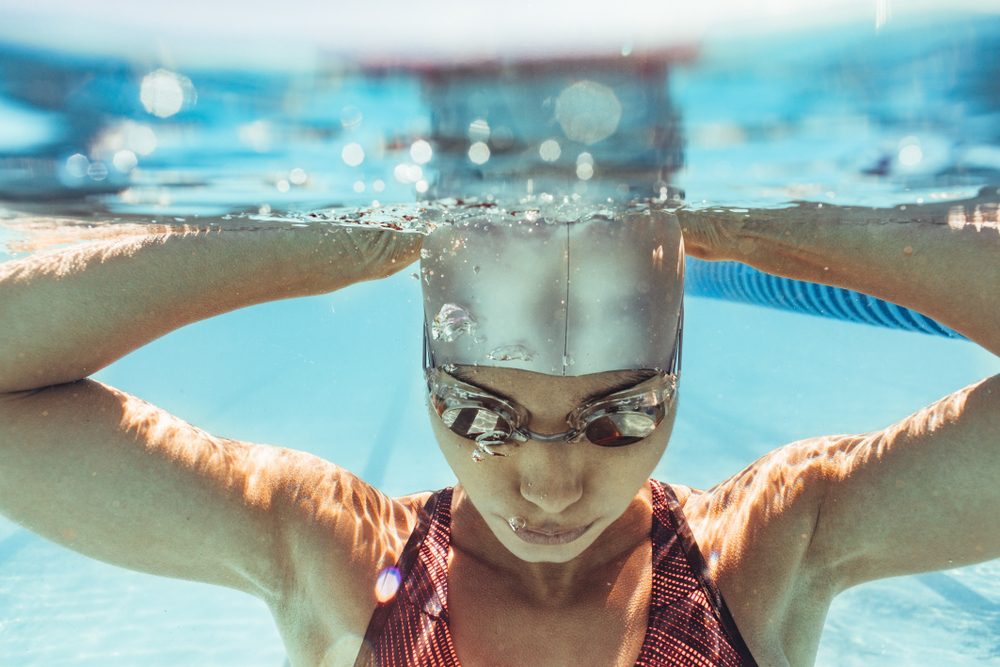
(619, 429)
(472, 423)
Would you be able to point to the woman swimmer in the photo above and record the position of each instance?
(554, 548)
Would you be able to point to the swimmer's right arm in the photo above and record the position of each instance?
(115, 478)
(68, 314)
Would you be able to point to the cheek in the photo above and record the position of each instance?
(478, 478)
(627, 468)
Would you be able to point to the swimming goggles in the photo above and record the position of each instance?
(621, 418)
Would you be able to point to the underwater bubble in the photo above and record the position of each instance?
(568, 360)
(511, 353)
(516, 523)
(451, 322)
(424, 253)
(449, 368)
(387, 584)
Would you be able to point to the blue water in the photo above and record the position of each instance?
(827, 115)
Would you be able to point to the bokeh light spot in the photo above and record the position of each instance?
(163, 93)
(407, 173)
(125, 161)
(353, 154)
(421, 152)
(549, 150)
(479, 130)
(910, 154)
(479, 152)
(387, 584)
(97, 171)
(588, 111)
(76, 165)
(351, 117)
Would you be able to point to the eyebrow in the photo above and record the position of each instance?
(606, 388)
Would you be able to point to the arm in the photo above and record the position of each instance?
(68, 314)
(922, 493)
(115, 478)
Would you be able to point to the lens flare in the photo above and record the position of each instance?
(387, 584)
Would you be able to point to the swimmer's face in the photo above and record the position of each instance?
(558, 488)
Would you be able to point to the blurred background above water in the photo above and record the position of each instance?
(126, 116)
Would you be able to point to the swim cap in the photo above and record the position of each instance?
(599, 293)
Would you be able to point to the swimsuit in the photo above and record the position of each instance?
(689, 623)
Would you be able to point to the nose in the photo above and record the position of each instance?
(551, 476)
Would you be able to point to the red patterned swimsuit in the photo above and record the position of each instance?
(689, 624)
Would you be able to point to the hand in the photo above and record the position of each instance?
(360, 253)
(711, 236)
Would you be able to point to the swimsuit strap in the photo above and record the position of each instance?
(687, 614)
(407, 624)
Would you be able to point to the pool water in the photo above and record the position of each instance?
(855, 113)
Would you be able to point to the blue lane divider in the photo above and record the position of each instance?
(733, 281)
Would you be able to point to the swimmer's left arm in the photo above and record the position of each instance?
(942, 259)
(921, 494)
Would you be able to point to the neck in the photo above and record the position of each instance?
(554, 583)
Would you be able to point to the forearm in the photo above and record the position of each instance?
(65, 315)
(941, 260)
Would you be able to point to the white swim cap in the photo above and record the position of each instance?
(600, 293)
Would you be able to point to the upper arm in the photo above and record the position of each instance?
(118, 479)
(919, 495)
(115, 478)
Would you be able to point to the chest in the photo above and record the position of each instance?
(493, 623)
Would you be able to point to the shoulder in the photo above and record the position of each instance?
(340, 533)
(754, 531)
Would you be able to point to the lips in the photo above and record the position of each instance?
(551, 536)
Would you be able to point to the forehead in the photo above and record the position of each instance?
(526, 385)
